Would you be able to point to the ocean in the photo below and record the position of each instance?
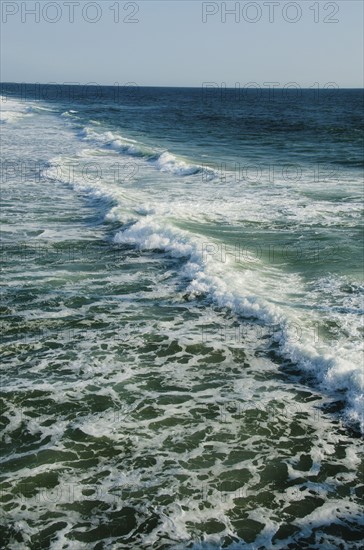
(182, 305)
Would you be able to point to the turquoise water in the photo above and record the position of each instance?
(182, 300)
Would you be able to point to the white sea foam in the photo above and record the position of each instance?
(69, 114)
(253, 292)
(11, 110)
(337, 365)
(166, 162)
(170, 429)
(161, 160)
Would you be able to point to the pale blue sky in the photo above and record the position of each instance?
(171, 46)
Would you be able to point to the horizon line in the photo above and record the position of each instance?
(219, 87)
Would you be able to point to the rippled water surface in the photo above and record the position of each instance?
(181, 320)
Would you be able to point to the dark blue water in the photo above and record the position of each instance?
(182, 318)
(251, 125)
